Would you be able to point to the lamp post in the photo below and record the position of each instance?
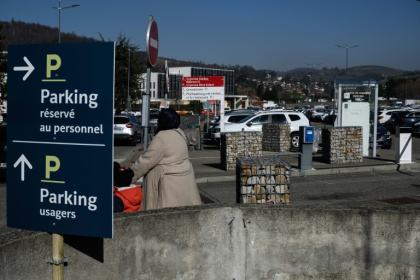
(310, 79)
(128, 83)
(59, 8)
(347, 54)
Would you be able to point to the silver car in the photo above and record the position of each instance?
(127, 128)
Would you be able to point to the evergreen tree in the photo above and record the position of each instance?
(127, 61)
(266, 95)
(260, 91)
(273, 94)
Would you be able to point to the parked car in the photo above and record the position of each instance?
(233, 117)
(3, 150)
(254, 108)
(255, 122)
(383, 137)
(134, 112)
(185, 112)
(315, 114)
(416, 129)
(127, 128)
(409, 119)
(153, 116)
(204, 112)
(330, 119)
(385, 115)
(321, 116)
(401, 118)
(210, 125)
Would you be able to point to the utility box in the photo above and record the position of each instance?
(403, 150)
(306, 142)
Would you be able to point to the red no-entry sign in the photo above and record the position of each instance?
(152, 43)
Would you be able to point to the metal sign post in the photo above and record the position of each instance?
(152, 43)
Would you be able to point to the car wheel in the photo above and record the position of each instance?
(294, 140)
(134, 140)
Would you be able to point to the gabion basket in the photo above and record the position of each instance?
(262, 180)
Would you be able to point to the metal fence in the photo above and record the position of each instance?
(191, 120)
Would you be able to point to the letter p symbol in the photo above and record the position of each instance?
(50, 65)
(52, 164)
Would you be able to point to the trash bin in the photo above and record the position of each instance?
(194, 136)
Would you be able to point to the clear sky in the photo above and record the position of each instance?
(272, 34)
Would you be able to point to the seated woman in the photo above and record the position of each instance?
(169, 179)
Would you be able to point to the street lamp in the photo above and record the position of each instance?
(128, 83)
(310, 80)
(347, 54)
(59, 8)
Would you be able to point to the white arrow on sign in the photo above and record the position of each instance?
(22, 160)
(28, 68)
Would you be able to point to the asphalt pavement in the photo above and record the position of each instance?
(365, 183)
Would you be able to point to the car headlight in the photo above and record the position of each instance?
(417, 123)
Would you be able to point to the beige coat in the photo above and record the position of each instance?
(169, 179)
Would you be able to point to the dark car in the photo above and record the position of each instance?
(208, 126)
(127, 128)
(3, 148)
(407, 119)
(383, 137)
(416, 129)
(330, 119)
(153, 116)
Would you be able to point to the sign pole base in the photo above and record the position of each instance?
(58, 265)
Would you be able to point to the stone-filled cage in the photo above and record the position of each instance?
(262, 180)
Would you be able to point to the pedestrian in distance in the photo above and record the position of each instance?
(127, 196)
(169, 179)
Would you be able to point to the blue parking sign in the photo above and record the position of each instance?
(60, 138)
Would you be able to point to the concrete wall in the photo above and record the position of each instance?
(231, 242)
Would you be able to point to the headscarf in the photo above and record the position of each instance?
(168, 119)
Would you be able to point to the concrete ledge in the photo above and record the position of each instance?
(232, 242)
(228, 178)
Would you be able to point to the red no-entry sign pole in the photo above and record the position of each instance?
(152, 43)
